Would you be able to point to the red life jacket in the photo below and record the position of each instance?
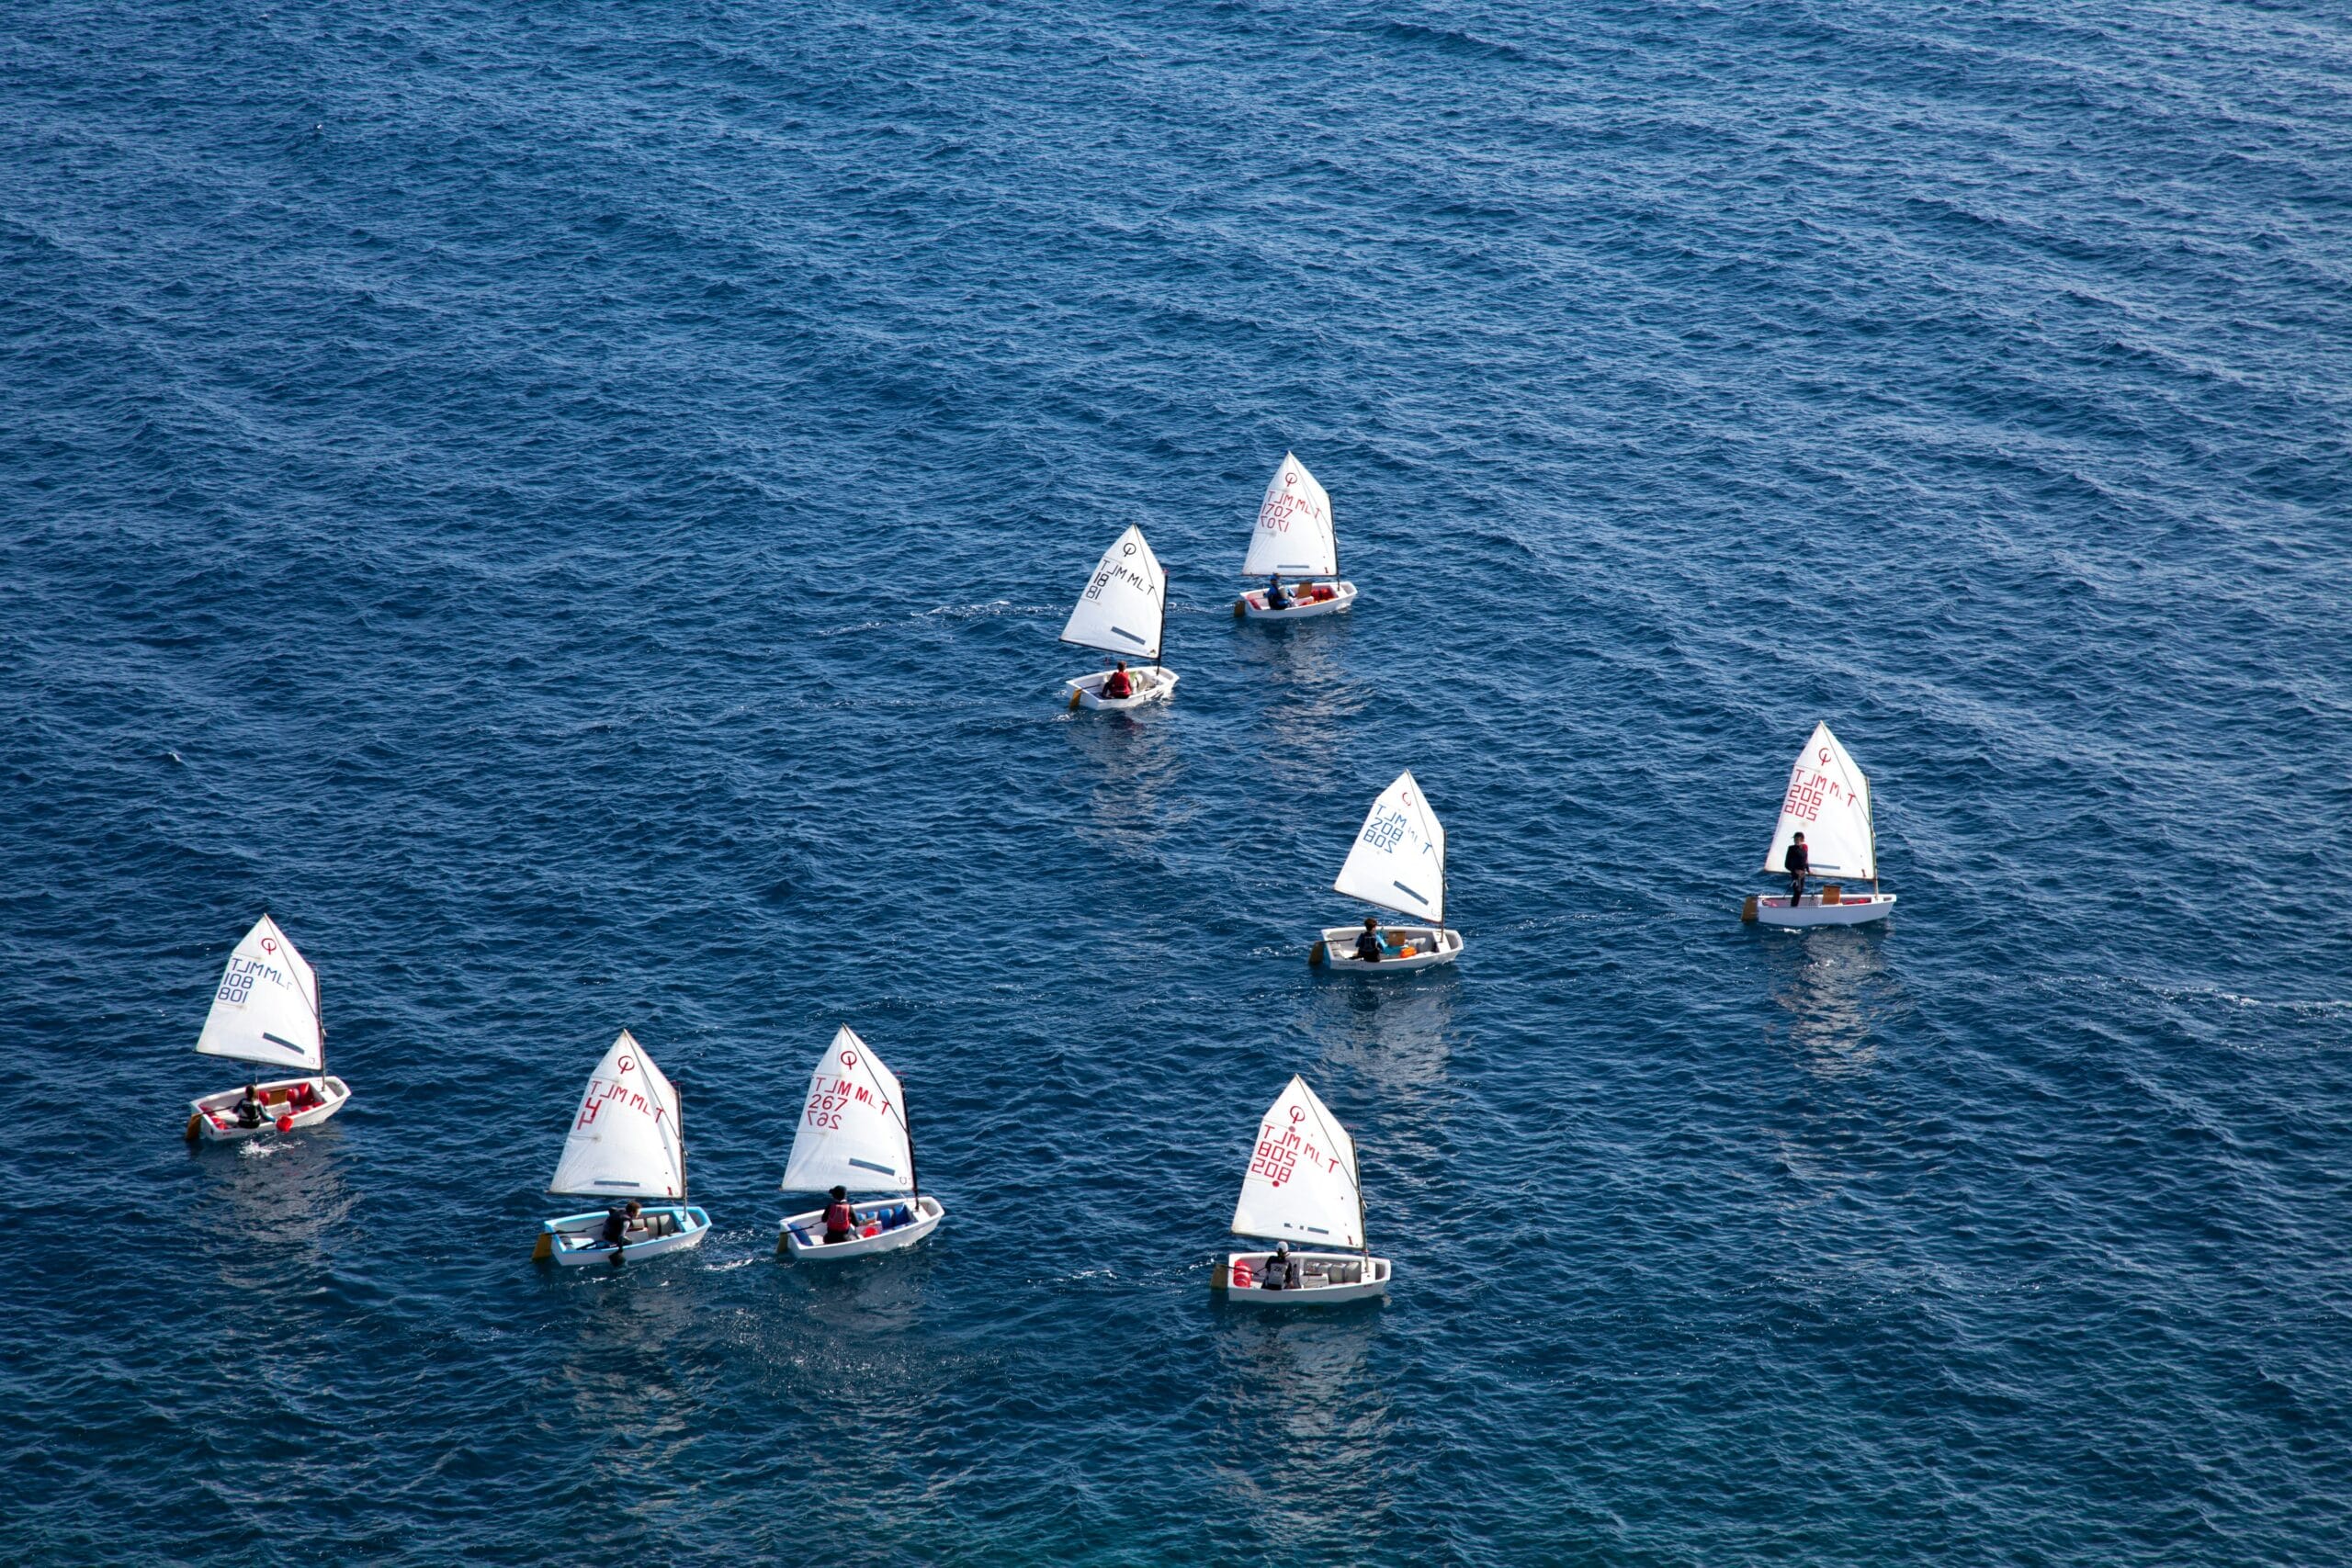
(840, 1217)
(1118, 685)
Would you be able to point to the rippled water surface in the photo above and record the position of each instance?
(570, 507)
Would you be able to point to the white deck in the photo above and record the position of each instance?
(1251, 606)
(1152, 685)
(1850, 909)
(1328, 1279)
(214, 1117)
(804, 1235)
(1430, 945)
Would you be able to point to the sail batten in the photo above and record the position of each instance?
(1301, 1180)
(1128, 590)
(1827, 800)
(266, 1008)
(1401, 838)
(626, 1139)
(1294, 534)
(853, 1125)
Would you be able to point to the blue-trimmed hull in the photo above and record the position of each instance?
(579, 1238)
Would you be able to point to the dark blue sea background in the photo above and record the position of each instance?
(569, 508)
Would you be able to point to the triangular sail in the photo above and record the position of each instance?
(853, 1129)
(1828, 801)
(1398, 862)
(266, 1008)
(1126, 602)
(1301, 1184)
(624, 1140)
(1294, 535)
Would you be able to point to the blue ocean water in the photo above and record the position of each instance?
(569, 508)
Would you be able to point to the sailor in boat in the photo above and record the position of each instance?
(1368, 946)
(249, 1113)
(841, 1220)
(1276, 598)
(1118, 683)
(1281, 1269)
(1796, 863)
(618, 1221)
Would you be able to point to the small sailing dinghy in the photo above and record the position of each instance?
(1124, 611)
(267, 1011)
(1828, 801)
(1399, 862)
(1294, 539)
(1301, 1189)
(626, 1142)
(854, 1136)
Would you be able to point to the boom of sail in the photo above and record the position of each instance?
(1398, 861)
(1828, 801)
(1301, 1184)
(1294, 535)
(625, 1141)
(1124, 607)
(266, 1010)
(853, 1129)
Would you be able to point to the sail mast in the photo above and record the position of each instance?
(1331, 525)
(1872, 818)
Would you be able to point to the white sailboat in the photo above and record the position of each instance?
(626, 1142)
(1828, 800)
(1301, 1189)
(1399, 862)
(1124, 612)
(1294, 539)
(854, 1136)
(267, 1011)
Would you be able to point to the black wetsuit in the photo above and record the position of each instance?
(1368, 947)
(616, 1226)
(1797, 862)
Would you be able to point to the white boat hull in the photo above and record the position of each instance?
(804, 1235)
(1151, 685)
(1850, 909)
(1251, 606)
(1358, 1279)
(1431, 946)
(213, 1117)
(664, 1228)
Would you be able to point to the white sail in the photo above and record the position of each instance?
(1294, 535)
(267, 1007)
(1828, 801)
(1125, 603)
(1398, 862)
(1301, 1185)
(624, 1139)
(852, 1128)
